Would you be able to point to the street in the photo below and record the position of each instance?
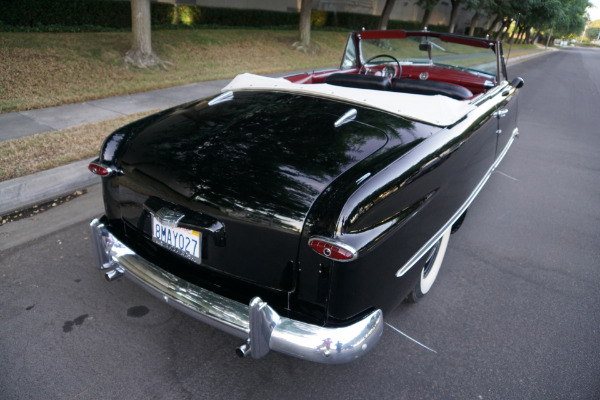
(514, 313)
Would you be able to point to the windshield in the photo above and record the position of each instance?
(427, 50)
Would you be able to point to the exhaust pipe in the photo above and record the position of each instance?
(243, 350)
(114, 274)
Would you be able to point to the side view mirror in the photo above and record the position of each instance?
(517, 83)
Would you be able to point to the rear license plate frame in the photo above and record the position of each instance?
(182, 241)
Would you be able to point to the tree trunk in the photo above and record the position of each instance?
(474, 23)
(505, 24)
(512, 35)
(305, 14)
(385, 15)
(549, 36)
(493, 25)
(453, 14)
(426, 18)
(304, 43)
(141, 55)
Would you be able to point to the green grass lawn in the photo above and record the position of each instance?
(49, 69)
(30, 154)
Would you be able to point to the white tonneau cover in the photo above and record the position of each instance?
(435, 110)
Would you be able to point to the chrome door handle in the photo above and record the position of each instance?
(501, 113)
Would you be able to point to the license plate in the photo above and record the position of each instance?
(186, 242)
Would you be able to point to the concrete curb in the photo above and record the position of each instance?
(80, 209)
(26, 191)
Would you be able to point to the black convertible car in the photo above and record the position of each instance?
(296, 212)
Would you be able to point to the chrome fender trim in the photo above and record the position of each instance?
(257, 323)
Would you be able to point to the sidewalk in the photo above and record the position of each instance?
(24, 192)
(25, 123)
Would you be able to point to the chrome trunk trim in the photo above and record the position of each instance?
(257, 322)
(350, 115)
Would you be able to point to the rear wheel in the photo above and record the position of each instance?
(433, 262)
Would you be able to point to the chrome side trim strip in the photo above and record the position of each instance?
(257, 323)
(413, 260)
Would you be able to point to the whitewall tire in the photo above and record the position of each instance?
(431, 268)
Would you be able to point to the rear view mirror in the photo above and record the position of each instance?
(424, 46)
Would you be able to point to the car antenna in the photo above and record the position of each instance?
(511, 42)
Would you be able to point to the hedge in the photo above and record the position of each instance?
(110, 14)
(92, 15)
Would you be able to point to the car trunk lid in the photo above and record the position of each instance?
(244, 173)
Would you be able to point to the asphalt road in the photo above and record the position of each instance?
(514, 314)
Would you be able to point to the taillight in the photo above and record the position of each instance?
(332, 249)
(100, 169)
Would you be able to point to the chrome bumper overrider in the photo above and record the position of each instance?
(257, 323)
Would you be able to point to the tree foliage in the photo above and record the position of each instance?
(564, 17)
(592, 33)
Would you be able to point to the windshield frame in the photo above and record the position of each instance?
(355, 41)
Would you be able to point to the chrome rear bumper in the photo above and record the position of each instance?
(257, 323)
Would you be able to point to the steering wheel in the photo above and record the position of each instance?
(397, 71)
